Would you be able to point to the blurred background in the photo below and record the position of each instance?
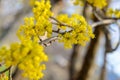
(59, 67)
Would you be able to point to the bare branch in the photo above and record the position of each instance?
(103, 22)
(5, 70)
(109, 40)
(60, 23)
(48, 41)
(10, 74)
(97, 15)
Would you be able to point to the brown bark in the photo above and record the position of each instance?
(73, 60)
(108, 47)
(103, 71)
(89, 57)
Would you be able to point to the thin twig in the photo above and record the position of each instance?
(84, 8)
(60, 23)
(1, 72)
(109, 47)
(48, 41)
(114, 18)
(10, 73)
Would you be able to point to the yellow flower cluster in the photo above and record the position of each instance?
(32, 2)
(80, 32)
(32, 54)
(98, 3)
(27, 30)
(113, 13)
(29, 57)
(3, 77)
(42, 8)
(38, 24)
(28, 54)
(77, 2)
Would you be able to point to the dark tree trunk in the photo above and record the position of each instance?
(89, 57)
(73, 60)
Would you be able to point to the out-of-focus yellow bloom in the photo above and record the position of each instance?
(29, 57)
(96, 3)
(79, 2)
(3, 76)
(32, 2)
(113, 13)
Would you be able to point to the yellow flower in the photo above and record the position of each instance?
(37, 25)
(79, 2)
(29, 57)
(29, 54)
(98, 3)
(113, 13)
(80, 32)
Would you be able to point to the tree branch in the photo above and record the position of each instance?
(48, 41)
(108, 42)
(1, 72)
(60, 23)
(10, 73)
(99, 17)
(103, 22)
